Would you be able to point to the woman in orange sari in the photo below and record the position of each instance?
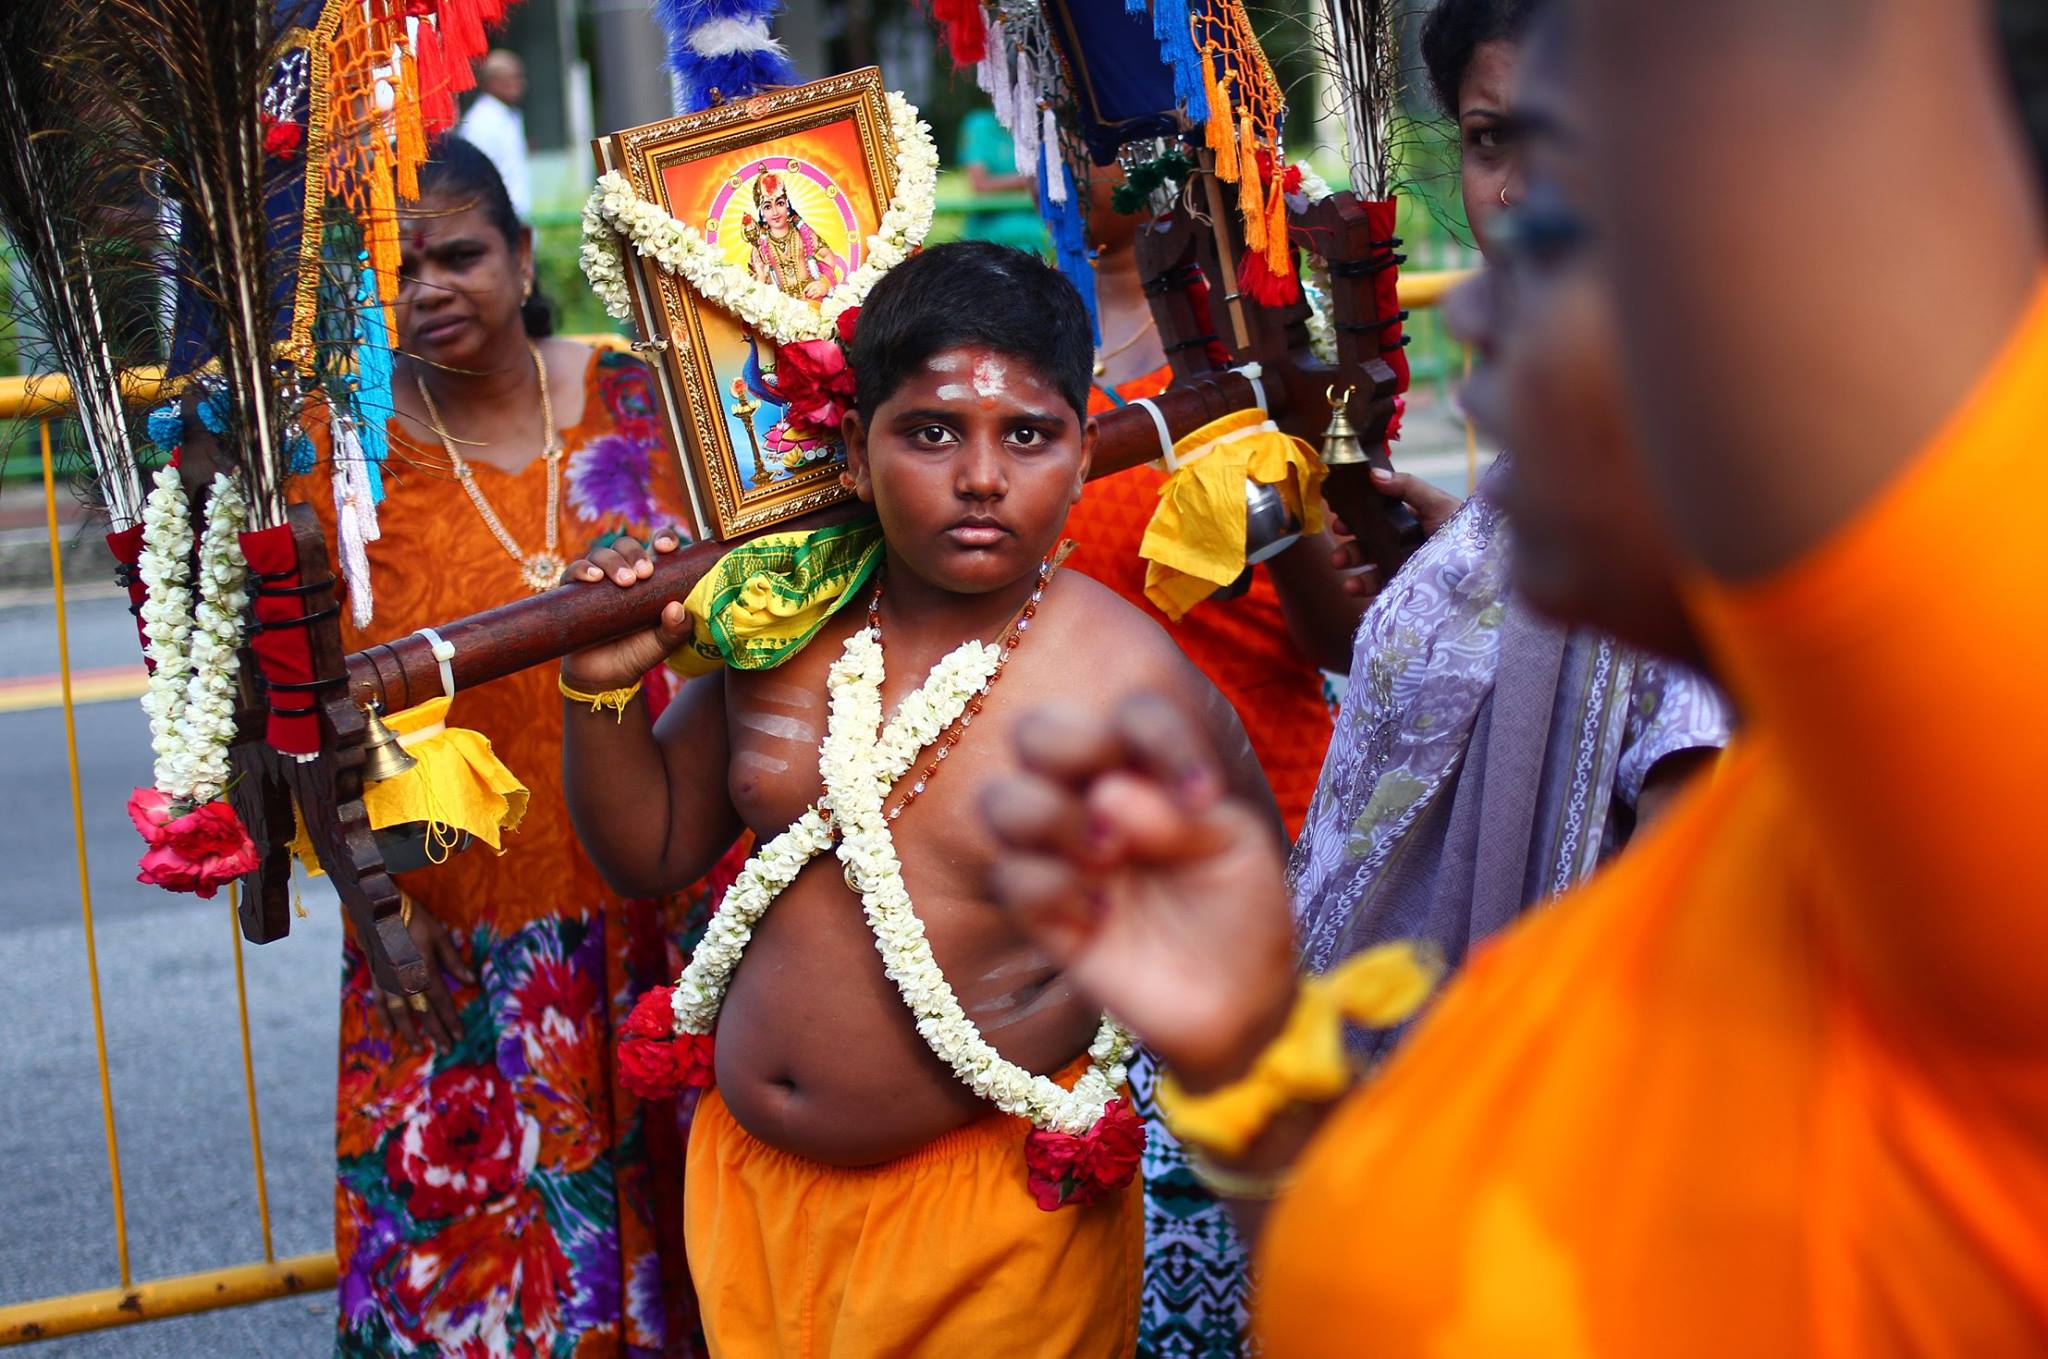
(1776, 1083)
(496, 1183)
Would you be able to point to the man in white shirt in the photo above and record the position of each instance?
(495, 126)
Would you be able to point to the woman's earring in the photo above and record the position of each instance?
(527, 296)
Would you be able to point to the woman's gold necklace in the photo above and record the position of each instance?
(538, 571)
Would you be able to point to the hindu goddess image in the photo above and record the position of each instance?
(786, 251)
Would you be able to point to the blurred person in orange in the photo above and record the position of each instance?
(1776, 1082)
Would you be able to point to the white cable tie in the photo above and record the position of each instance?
(1252, 373)
(1166, 458)
(444, 652)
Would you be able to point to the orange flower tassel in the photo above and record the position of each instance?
(412, 137)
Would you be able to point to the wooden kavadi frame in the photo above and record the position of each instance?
(829, 145)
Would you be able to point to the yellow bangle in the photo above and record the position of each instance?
(1306, 1064)
(613, 699)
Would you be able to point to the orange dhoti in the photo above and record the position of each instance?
(941, 1252)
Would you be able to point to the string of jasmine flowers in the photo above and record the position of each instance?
(191, 695)
(614, 216)
(859, 769)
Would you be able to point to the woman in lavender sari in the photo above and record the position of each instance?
(1486, 759)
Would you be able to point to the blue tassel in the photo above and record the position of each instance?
(1176, 39)
(373, 383)
(1069, 227)
(734, 74)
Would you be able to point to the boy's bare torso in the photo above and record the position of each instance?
(817, 1053)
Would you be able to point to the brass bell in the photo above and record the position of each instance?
(383, 756)
(1341, 447)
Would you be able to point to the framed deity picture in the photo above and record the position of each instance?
(739, 235)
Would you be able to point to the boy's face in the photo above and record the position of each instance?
(972, 465)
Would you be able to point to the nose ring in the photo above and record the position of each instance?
(1504, 195)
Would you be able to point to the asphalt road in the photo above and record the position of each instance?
(166, 965)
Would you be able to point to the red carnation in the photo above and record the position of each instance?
(1065, 1169)
(281, 137)
(657, 1067)
(1290, 179)
(653, 1016)
(814, 382)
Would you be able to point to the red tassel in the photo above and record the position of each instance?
(966, 32)
(437, 106)
(462, 33)
(1256, 280)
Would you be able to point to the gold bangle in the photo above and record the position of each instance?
(1306, 1064)
(1258, 1187)
(614, 700)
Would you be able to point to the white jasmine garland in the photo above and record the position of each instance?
(615, 216)
(165, 567)
(859, 769)
(209, 720)
(191, 695)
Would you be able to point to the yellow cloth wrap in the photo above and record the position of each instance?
(1195, 544)
(769, 596)
(1306, 1064)
(459, 785)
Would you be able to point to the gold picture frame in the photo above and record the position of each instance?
(825, 153)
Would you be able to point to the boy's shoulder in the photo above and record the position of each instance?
(1100, 635)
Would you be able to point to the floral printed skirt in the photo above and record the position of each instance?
(500, 1198)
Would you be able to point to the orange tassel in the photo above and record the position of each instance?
(412, 137)
(383, 225)
(1220, 132)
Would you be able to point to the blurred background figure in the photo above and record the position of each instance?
(495, 126)
(989, 156)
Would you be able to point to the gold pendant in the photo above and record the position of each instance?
(542, 572)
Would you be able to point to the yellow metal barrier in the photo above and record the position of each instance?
(202, 1292)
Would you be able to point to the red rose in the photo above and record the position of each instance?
(848, 320)
(653, 1015)
(464, 1142)
(200, 852)
(1067, 1170)
(210, 831)
(813, 381)
(656, 1069)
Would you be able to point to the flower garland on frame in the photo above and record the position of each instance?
(196, 842)
(615, 217)
(1086, 1141)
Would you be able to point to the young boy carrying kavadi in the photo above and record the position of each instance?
(854, 1184)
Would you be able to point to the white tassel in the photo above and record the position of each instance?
(1024, 126)
(992, 74)
(1055, 163)
(355, 518)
